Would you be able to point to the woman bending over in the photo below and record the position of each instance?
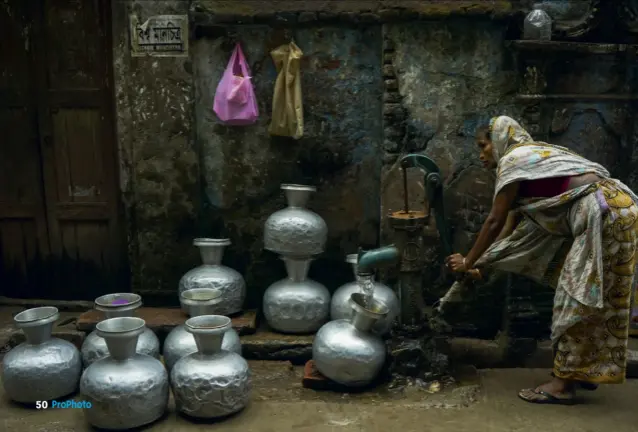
(560, 220)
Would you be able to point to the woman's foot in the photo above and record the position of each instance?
(557, 391)
(583, 384)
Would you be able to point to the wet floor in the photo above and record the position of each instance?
(484, 404)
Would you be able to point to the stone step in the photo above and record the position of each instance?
(62, 305)
(163, 320)
(266, 344)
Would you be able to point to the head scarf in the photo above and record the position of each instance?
(504, 132)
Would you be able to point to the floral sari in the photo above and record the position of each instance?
(582, 243)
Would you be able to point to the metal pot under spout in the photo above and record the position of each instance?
(346, 351)
(340, 307)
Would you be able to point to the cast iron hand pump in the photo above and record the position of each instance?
(433, 194)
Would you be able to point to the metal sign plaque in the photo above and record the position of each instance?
(159, 36)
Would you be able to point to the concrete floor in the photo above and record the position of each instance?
(483, 403)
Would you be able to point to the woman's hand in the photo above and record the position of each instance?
(456, 263)
(474, 274)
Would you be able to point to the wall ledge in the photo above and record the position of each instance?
(545, 47)
(298, 13)
(578, 97)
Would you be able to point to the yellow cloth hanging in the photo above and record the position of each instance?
(287, 107)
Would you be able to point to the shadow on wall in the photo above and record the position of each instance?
(340, 152)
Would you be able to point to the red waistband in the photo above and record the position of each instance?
(548, 187)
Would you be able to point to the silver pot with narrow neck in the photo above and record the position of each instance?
(125, 389)
(295, 230)
(114, 306)
(340, 306)
(180, 342)
(211, 382)
(212, 274)
(296, 304)
(346, 351)
(43, 367)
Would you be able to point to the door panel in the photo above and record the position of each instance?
(82, 206)
(15, 46)
(74, 40)
(78, 157)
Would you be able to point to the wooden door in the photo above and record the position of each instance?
(72, 97)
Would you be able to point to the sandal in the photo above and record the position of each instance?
(545, 398)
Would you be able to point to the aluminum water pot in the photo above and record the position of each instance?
(346, 351)
(114, 306)
(296, 304)
(295, 230)
(340, 307)
(212, 274)
(212, 382)
(43, 367)
(125, 389)
(180, 342)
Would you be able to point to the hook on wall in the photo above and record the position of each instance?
(289, 34)
(232, 35)
(281, 36)
(230, 38)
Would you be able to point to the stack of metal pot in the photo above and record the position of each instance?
(180, 342)
(212, 274)
(296, 304)
(211, 382)
(113, 306)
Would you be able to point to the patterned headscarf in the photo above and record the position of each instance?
(504, 132)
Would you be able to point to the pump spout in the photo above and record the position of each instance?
(368, 260)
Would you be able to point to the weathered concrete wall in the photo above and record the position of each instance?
(372, 92)
(340, 151)
(443, 79)
(159, 174)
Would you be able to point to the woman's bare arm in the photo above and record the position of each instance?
(494, 223)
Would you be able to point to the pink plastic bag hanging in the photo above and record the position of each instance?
(235, 102)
